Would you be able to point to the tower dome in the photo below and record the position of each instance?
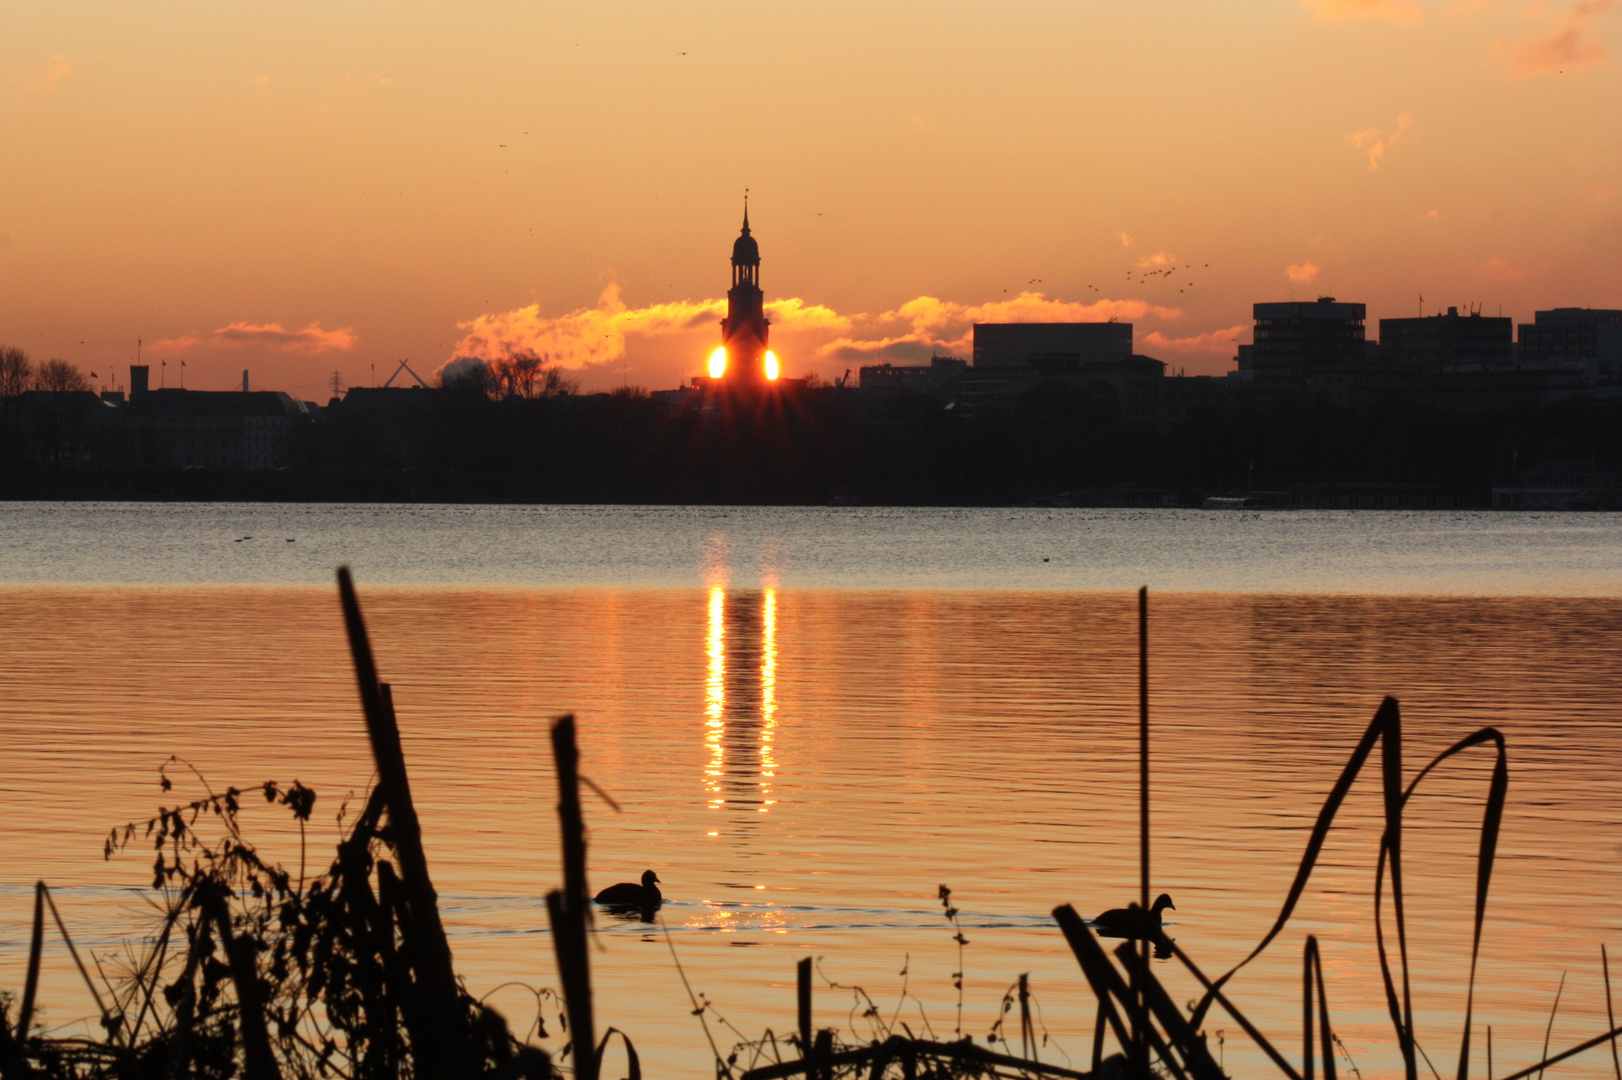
(745, 252)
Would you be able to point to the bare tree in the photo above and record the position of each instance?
(523, 374)
(16, 371)
(467, 373)
(60, 376)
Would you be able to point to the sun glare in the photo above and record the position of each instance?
(718, 362)
(771, 365)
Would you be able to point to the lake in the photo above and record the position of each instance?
(812, 718)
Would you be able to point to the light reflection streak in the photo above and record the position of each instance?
(715, 695)
(768, 696)
(744, 711)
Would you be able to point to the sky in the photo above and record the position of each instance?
(300, 189)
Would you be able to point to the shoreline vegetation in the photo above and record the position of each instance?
(260, 973)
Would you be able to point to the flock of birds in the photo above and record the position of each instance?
(1142, 276)
(631, 898)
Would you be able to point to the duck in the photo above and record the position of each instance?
(628, 894)
(1134, 922)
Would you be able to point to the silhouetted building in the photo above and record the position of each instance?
(1303, 345)
(745, 329)
(1448, 342)
(940, 377)
(1586, 339)
(204, 429)
(1563, 485)
(1050, 347)
(1127, 386)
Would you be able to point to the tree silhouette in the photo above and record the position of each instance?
(16, 371)
(60, 376)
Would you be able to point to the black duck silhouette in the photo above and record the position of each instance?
(1134, 922)
(631, 896)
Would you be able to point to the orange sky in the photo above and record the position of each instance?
(301, 188)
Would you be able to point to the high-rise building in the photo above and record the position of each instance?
(1448, 342)
(1052, 348)
(1299, 343)
(1590, 338)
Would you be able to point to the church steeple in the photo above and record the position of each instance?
(745, 254)
(744, 330)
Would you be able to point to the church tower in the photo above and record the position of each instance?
(744, 330)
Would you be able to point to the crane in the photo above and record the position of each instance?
(405, 365)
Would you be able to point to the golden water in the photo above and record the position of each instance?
(803, 768)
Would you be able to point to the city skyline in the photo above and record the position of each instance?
(571, 179)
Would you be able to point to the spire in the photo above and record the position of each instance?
(746, 211)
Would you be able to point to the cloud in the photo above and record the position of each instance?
(311, 341)
(1375, 142)
(42, 79)
(1565, 47)
(1302, 273)
(1502, 270)
(1215, 342)
(1126, 240)
(671, 339)
(600, 334)
(1403, 12)
(1158, 261)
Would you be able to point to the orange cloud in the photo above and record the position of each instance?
(1404, 12)
(1565, 48)
(43, 79)
(1302, 273)
(1158, 261)
(1375, 142)
(311, 341)
(612, 331)
(946, 326)
(1500, 269)
(1217, 342)
(600, 335)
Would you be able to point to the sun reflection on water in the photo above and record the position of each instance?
(768, 695)
(715, 695)
(741, 699)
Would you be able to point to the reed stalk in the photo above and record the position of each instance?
(438, 1041)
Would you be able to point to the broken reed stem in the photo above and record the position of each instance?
(1564, 1054)
(803, 1000)
(1610, 1014)
(1027, 1034)
(35, 947)
(439, 1044)
(1554, 1009)
(258, 1061)
(567, 908)
(41, 890)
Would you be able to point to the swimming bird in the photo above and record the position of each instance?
(628, 894)
(1129, 922)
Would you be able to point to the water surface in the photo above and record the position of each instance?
(804, 766)
(1361, 552)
